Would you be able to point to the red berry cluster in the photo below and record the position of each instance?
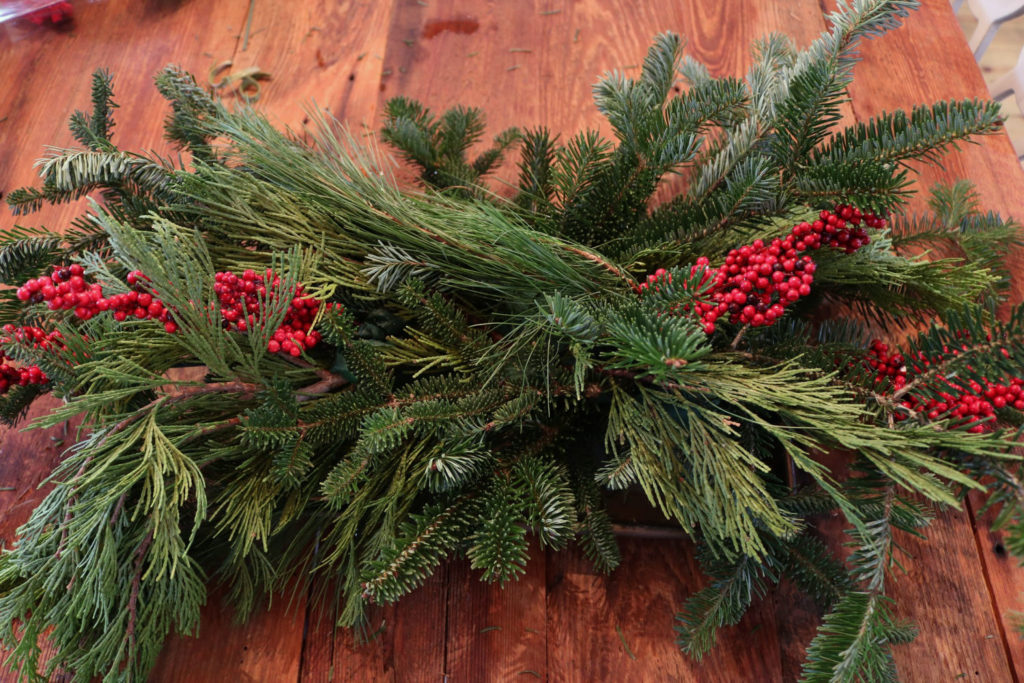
(140, 303)
(11, 375)
(887, 366)
(29, 334)
(239, 299)
(971, 404)
(656, 278)
(841, 228)
(66, 289)
(967, 406)
(757, 281)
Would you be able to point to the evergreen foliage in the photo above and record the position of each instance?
(483, 338)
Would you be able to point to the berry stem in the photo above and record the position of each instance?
(739, 335)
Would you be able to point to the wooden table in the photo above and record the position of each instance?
(528, 62)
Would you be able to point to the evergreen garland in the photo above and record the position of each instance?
(394, 376)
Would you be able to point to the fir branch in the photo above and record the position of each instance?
(895, 138)
(95, 130)
(191, 108)
(722, 603)
(499, 545)
(536, 183)
(596, 536)
(424, 543)
(853, 642)
(25, 252)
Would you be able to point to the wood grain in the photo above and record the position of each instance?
(404, 641)
(534, 63)
(945, 594)
(327, 54)
(797, 618)
(51, 73)
(268, 647)
(620, 627)
(497, 633)
(1003, 575)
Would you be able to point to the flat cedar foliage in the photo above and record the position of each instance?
(475, 339)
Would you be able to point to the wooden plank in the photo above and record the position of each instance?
(415, 642)
(1003, 576)
(327, 53)
(945, 595)
(318, 644)
(406, 641)
(494, 633)
(620, 627)
(458, 52)
(268, 647)
(24, 456)
(943, 592)
(797, 619)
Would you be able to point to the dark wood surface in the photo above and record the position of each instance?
(531, 62)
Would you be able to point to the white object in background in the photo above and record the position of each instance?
(1012, 82)
(990, 14)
